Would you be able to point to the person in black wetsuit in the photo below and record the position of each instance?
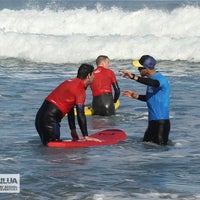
(104, 80)
(61, 101)
(157, 98)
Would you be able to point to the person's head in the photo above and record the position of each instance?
(103, 60)
(85, 72)
(146, 65)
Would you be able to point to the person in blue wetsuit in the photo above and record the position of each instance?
(157, 98)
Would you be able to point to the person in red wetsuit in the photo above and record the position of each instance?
(61, 101)
(104, 80)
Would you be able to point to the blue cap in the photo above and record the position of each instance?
(145, 61)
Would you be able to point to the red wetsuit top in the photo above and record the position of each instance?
(68, 94)
(103, 79)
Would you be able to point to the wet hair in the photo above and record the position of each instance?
(84, 70)
(100, 58)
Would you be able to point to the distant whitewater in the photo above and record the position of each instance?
(81, 34)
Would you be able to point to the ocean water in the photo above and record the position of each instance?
(42, 43)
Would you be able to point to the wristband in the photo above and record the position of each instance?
(133, 76)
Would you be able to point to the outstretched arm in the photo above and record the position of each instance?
(145, 81)
(126, 74)
(133, 95)
(83, 123)
(82, 119)
(72, 126)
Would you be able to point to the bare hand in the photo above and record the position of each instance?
(87, 138)
(130, 94)
(126, 74)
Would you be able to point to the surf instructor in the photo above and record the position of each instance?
(157, 98)
(61, 101)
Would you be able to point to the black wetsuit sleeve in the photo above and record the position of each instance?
(148, 81)
(82, 120)
(116, 91)
(71, 119)
(142, 98)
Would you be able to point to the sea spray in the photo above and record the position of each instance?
(79, 34)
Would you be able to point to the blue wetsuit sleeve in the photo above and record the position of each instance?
(82, 119)
(116, 91)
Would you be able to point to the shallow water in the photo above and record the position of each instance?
(129, 170)
(43, 42)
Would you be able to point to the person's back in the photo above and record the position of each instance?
(104, 80)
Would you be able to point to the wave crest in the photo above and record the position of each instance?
(77, 35)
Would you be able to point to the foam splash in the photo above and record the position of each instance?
(79, 35)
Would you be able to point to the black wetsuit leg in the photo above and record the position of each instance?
(103, 105)
(157, 132)
(47, 122)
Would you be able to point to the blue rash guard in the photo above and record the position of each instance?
(158, 98)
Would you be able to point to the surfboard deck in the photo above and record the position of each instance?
(89, 110)
(108, 137)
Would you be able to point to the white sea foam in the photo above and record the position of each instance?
(77, 35)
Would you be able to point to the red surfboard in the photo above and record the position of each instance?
(107, 137)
